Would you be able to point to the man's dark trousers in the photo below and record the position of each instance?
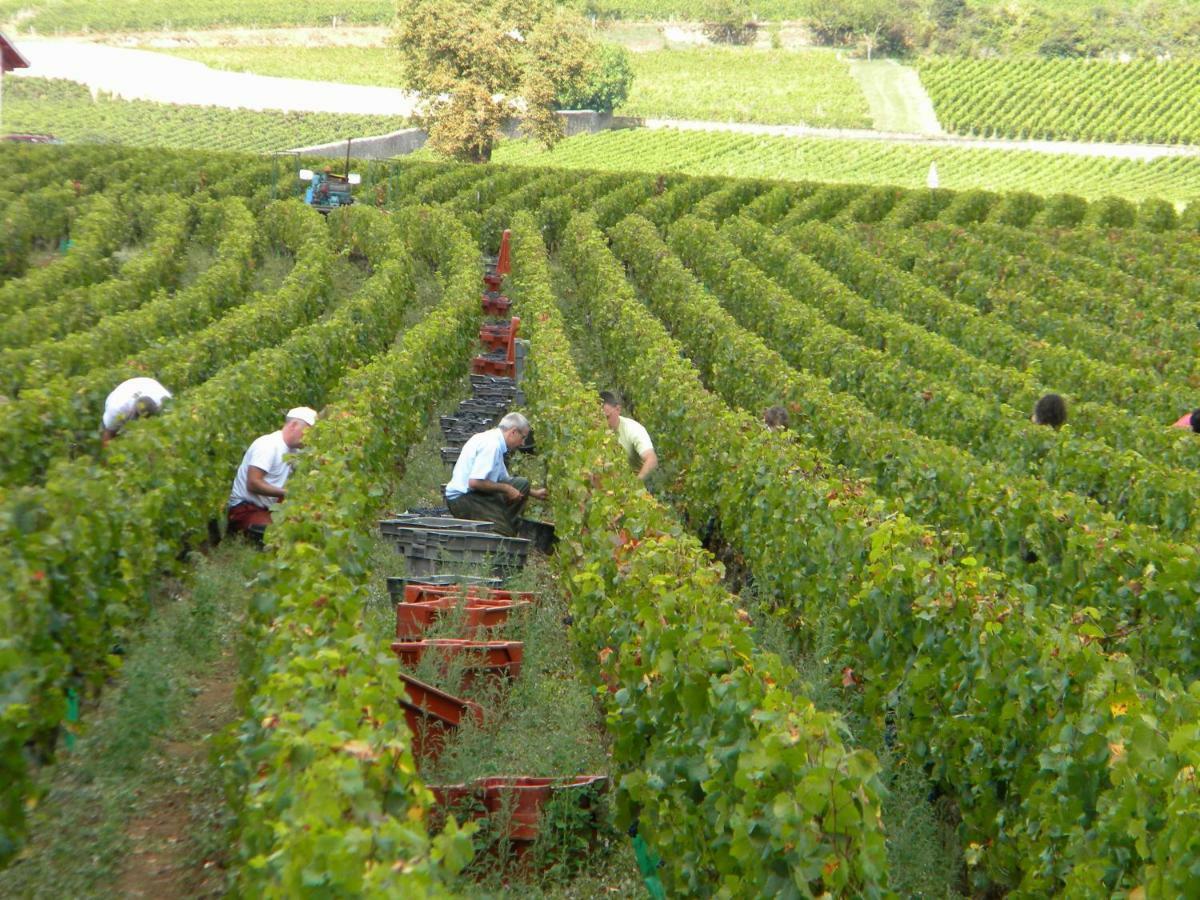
(492, 507)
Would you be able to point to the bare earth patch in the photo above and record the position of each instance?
(169, 833)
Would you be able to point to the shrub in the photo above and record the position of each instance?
(1191, 216)
(1156, 214)
(1063, 211)
(729, 22)
(606, 85)
(1112, 212)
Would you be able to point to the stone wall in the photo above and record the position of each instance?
(407, 140)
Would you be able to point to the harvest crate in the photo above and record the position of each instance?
(397, 584)
(457, 431)
(455, 444)
(495, 335)
(493, 382)
(472, 423)
(414, 619)
(428, 550)
(422, 512)
(420, 592)
(497, 659)
(515, 804)
(494, 364)
(540, 533)
(512, 397)
(431, 713)
(473, 406)
(495, 303)
(443, 523)
(497, 387)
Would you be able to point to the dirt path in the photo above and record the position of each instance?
(145, 75)
(137, 808)
(175, 833)
(896, 96)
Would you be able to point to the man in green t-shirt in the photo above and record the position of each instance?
(633, 438)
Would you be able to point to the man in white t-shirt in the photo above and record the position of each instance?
(481, 488)
(631, 435)
(131, 399)
(262, 476)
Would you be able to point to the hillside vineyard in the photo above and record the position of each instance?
(1009, 605)
(1143, 101)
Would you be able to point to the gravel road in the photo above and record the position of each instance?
(144, 75)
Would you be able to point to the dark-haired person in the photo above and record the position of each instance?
(631, 435)
(1189, 420)
(776, 418)
(1050, 410)
(134, 398)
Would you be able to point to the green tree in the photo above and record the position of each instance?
(605, 87)
(728, 21)
(880, 24)
(946, 13)
(481, 65)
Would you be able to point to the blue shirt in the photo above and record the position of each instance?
(481, 457)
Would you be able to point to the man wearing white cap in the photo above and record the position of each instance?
(264, 472)
(131, 399)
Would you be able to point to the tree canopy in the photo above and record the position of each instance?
(482, 65)
(879, 24)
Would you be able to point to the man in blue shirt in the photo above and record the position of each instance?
(481, 487)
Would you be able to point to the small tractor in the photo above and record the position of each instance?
(327, 191)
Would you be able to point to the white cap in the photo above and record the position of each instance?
(304, 414)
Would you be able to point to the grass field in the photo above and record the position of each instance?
(894, 93)
(813, 87)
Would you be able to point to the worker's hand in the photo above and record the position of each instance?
(512, 494)
(539, 493)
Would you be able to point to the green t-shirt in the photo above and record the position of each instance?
(634, 440)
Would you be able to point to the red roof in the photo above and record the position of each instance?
(10, 56)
